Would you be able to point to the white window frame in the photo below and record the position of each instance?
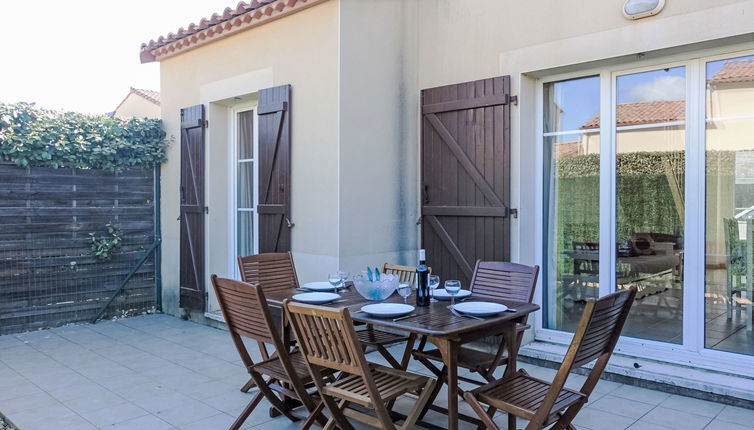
(692, 351)
(233, 163)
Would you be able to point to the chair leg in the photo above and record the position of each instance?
(247, 411)
(511, 421)
(431, 367)
(337, 415)
(272, 398)
(248, 386)
(407, 352)
(490, 413)
(477, 407)
(564, 422)
(433, 395)
(418, 408)
(389, 357)
(313, 417)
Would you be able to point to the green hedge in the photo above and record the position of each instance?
(41, 137)
(718, 162)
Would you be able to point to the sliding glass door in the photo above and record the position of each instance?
(572, 174)
(648, 181)
(729, 135)
(650, 144)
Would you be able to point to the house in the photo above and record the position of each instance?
(355, 132)
(139, 103)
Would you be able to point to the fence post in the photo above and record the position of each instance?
(158, 239)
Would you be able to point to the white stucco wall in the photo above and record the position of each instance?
(378, 161)
(301, 50)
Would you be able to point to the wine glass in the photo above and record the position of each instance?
(404, 290)
(334, 280)
(343, 278)
(433, 282)
(452, 287)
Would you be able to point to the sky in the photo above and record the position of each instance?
(83, 55)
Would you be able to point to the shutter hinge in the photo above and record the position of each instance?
(206, 123)
(513, 213)
(514, 100)
(206, 209)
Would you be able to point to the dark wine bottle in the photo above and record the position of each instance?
(422, 281)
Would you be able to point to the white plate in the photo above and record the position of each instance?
(388, 310)
(441, 294)
(315, 298)
(318, 286)
(480, 309)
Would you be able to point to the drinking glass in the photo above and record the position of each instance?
(452, 287)
(343, 278)
(334, 280)
(404, 290)
(433, 282)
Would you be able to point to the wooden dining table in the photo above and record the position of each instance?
(446, 330)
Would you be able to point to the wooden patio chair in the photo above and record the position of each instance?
(495, 280)
(543, 403)
(247, 315)
(379, 339)
(272, 271)
(328, 340)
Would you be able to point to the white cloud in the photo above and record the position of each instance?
(660, 88)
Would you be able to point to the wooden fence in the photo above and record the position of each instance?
(48, 273)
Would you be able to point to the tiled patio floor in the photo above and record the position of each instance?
(159, 372)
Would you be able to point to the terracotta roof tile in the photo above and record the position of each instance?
(734, 71)
(645, 113)
(152, 96)
(242, 17)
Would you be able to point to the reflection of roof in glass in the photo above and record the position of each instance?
(734, 71)
(644, 113)
(567, 149)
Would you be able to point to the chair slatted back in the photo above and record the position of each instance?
(327, 337)
(504, 281)
(245, 309)
(406, 274)
(601, 325)
(273, 271)
(595, 338)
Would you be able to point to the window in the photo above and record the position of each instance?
(648, 181)
(245, 183)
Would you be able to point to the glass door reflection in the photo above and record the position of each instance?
(650, 155)
(729, 148)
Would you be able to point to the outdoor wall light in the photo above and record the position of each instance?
(635, 9)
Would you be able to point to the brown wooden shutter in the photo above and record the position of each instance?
(466, 175)
(274, 208)
(192, 282)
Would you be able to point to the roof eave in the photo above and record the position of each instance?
(147, 57)
(268, 12)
